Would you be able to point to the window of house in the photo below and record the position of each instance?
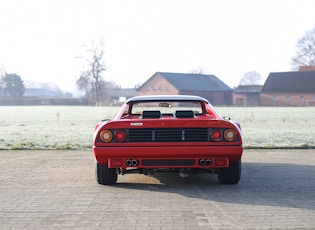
(148, 89)
(167, 88)
(161, 88)
(288, 98)
(274, 98)
(301, 98)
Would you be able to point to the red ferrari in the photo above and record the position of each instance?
(167, 133)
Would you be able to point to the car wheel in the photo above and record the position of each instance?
(230, 175)
(105, 175)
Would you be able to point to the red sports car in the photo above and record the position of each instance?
(167, 133)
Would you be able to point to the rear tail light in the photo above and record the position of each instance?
(120, 135)
(230, 134)
(106, 136)
(216, 134)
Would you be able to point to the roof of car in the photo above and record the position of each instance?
(167, 98)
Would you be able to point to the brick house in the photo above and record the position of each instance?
(247, 95)
(207, 86)
(289, 89)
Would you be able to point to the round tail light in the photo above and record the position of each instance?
(106, 136)
(216, 134)
(230, 134)
(120, 135)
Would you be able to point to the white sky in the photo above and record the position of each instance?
(40, 39)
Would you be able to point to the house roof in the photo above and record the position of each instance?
(248, 89)
(290, 82)
(196, 82)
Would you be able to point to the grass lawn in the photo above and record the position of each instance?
(71, 127)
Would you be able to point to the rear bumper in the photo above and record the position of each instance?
(116, 157)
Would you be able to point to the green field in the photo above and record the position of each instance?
(71, 127)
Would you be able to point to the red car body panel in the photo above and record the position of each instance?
(103, 156)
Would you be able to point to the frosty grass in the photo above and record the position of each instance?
(71, 127)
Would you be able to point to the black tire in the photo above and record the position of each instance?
(230, 175)
(105, 175)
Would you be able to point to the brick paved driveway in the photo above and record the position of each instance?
(57, 190)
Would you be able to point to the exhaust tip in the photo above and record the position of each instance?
(208, 162)
(128, 162)
(132, 162)
(205, 162)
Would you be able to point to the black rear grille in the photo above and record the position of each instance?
(136, 135)
(169, 135)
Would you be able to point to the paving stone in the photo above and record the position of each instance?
(57, 190)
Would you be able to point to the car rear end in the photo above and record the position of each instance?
(168, 144)
(188, 140)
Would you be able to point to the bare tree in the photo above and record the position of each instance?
(251, 78)
(91, 80)
(305, 51)
(84, 83)
(199, 70)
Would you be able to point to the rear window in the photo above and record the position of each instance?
(166, 107)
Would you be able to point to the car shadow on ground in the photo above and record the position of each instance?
(287, 185)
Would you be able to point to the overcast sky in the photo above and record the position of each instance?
(40, 39)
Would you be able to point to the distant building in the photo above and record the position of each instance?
(38, 93)
(247, 95)
(207, 86)
(289, 89)
(120, 95)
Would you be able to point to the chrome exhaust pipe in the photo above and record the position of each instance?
(205, 162)
(128, 162)
(134, 162)
(208, 162)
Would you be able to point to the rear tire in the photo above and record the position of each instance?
(230, 175)
(105, 175)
